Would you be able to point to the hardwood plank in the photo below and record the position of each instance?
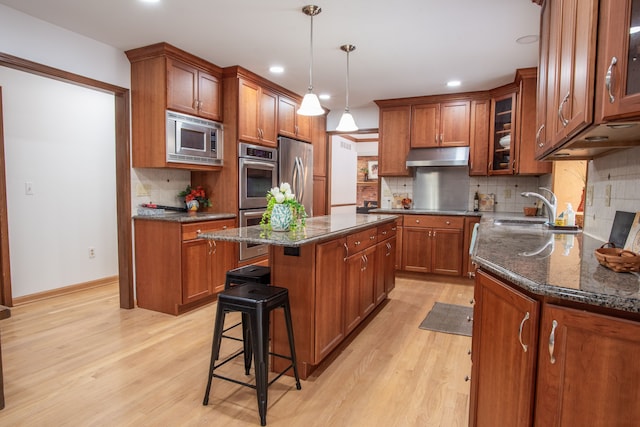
(79, 359)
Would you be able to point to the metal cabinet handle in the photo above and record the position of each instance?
(384, 233)
(394, 228)
(434, 233)
(198, 231)
(608, 79)
(388, 248)
(346, 252)
(564, 121)
(441, 138)
(212, 247)
(552, 341)
(448, 222)
(524, 319)
(417, 221)
(540, 129)
(224, 227)
(467, 378)
(469, 319)
(372, 237)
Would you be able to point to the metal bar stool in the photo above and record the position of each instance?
(238, 276)
(256, 301)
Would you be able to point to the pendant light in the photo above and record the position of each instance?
(347, 124)
(310, 103)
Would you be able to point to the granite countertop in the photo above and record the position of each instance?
(424, 212)
(316, 229)
(174, 216)
(553, 264)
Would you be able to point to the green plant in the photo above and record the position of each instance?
(197, 193)
(283, 195)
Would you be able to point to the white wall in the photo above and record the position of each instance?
(61, 139)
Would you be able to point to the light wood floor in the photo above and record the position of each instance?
(79, 360)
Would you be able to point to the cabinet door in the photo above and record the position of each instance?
(588, 370)
(287, 117)
(479, 138)
(352, 312)
(425, 125)
(368, 295)
(319, 195)
(618, 85)
(393, 146)
(329, 297)
(416, 253)
(223, 258)
(319, 142)
(525, 148)
(399, 249)
(454, 123)
(502, 135)
(196, 265)
(575, 70)
(304, 125)
(446, 251)
(182, 87)
(268, 121)
(388, 254)
(503, 369)
(209, 99)
(248, 124)
(546, 80)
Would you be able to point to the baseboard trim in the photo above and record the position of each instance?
(64, 290)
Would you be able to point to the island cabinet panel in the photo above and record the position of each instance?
(588, 370)
(175, 271)
(332, 288)
(503, 370)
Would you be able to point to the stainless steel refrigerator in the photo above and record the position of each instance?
(296, 168)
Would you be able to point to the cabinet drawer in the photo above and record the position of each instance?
(434, 221)
(362, 240)
(387, 230)
(190, 231)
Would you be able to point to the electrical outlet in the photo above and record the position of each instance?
(590, 195)
(607, 195)
(507, 193)
(92, 252)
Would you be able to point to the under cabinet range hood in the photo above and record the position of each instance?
(438, 156)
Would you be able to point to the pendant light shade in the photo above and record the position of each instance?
(310, 103)
(347, 124)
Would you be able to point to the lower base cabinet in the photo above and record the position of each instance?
(333, 286)
(584, 372)
(176, 271)
(433, 244)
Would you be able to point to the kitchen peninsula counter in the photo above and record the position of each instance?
(338, 269)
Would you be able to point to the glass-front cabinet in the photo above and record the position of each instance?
(619, 73)
(502, 134)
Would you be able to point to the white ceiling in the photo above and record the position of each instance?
(403, 47)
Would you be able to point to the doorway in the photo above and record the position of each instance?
(123, 180)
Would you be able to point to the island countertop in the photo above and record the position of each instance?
(555, 265)
(316, 229)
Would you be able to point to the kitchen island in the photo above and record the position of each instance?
(555, 334)
(338, 269)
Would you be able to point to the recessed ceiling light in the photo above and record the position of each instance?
(277, 69)
(453, 83)
(324, 96)
(150, 1)
(527, 39)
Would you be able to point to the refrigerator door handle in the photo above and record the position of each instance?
(299, 179)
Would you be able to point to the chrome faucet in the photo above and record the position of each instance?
(551, 205)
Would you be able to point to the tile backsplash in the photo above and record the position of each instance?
(506, 190)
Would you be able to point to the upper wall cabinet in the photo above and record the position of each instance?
(257, 114)
(501, 135)
(163, 78)
(588, 95)
(394, 130)
(444, 124)
(619, 60)
(290, 123)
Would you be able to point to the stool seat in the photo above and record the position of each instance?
(255, 301)
(248, 274)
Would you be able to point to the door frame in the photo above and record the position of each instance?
(123, 177)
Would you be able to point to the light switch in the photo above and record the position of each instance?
(28, 188)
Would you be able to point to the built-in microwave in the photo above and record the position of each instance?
(193, 140)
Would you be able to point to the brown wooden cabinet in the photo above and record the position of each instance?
(257, 114)
(165, 77)
(394, 131)
(386, 250)
(433, 244)
(581, 373)
(193, 91)
(479, 137)
(319, 142)
(502, 135)
(360, 281)
(175, 271)
(588, 372)
(443, 124)
(568, 45)
(504, 353)
(618, 77)
(290, 123)
(469, 269)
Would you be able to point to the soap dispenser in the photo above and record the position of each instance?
(570, 216)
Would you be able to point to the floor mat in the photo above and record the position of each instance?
(449, 318)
